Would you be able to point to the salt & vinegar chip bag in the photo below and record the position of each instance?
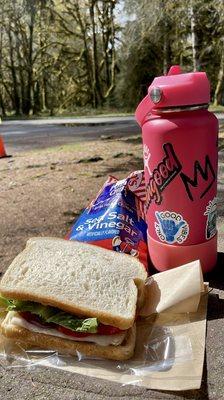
(115, 219)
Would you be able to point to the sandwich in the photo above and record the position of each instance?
(73, 297)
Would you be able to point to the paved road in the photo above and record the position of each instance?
(20, 135)
(73, 120)
(35, 134)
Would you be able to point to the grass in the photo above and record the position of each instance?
(80, 112)
(221, 130)
(216, 109)
(90, 112)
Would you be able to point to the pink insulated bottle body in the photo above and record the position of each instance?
(180, 159)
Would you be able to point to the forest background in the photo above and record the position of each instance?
(80, 56)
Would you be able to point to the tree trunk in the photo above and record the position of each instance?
(97, 95)
(105, 23)
(166, 39)
(194, 38)
(16, 98)
(86, 54)
(20, 72)
(2, 106)
(42, 93)
(220, 81)
(166, 49)
(112, 61)
(30, 62)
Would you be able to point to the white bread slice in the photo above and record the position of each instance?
(76, 277)
(28, 339)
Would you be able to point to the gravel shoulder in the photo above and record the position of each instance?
(41, 193)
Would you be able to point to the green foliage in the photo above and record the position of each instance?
(161, 33)
(56, 55)
(138, 68)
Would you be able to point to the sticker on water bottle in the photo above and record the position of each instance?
(171, 227)
(211, 214)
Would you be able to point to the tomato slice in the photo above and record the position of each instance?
(101, 330)
(108, 330)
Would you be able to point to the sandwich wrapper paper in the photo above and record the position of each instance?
(170, 342)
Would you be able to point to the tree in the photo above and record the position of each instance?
(189, 33)
(146, 49)
(194, 37)
(64, 54)
(219, 88)
(22, 65)
(91, 26)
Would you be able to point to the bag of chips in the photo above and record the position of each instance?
(115, 219)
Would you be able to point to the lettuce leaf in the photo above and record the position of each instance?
(88, 325)
(42, 311)
(4, 303)
(50, 314)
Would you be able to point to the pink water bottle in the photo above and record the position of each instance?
(180, 138)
